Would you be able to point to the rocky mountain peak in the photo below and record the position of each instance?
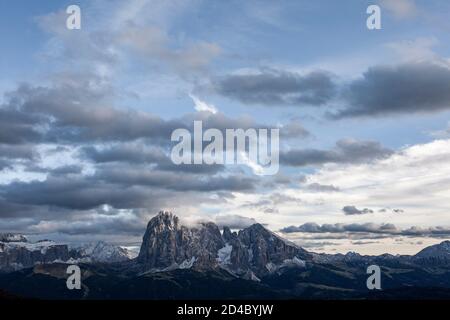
(169, 244)
(228, 235)
(437, 251)
(267, 250)
(12, 237)
(100, 252)
(164, 220)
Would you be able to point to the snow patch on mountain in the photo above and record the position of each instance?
(102, 252)
(187, 264)
(287, 263)
(41, 246)
(224, 254)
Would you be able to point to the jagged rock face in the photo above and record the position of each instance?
(166, 242)
(266, 249)
(16, 256)
(228, 235)
(12, 237)
(239, 256)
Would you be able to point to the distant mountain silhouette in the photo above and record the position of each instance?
(200, 262)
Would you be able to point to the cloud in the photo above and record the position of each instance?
(443, 133)
(65, 170)
(352, 210)
(345, 151)
(78, 113)
(136, 153)
(121, 187)
(293, 130)
(400, 8)
(82, 112)
(96, 224)
(234, 221)
(75, 193)
(317, 187)
(312, 227)
(384, 210)
(403, 89)
(18, 151)
(273, 87)
(202, 105)
(140, 153)
(4, 164)
(416, 50)
(154, 45)
(142, 30)
(363, 243)
(17, 127)
(141, 176)
(413, 179)
(386, 229)
(271, 202)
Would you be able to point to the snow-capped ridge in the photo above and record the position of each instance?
(12, 237)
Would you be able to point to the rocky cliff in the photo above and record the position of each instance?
(254, 250)
(167, 243)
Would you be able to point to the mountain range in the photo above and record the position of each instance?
(203, 262)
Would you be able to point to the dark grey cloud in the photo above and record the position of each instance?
(59, 171)
(402, 89)
(64, 170)
(273, 87)
(26, 152)
(133, 154)
(4, 164)
(345, 151)
(75, 193)
(383, 210)
(362, 243)
(84, 112)
(383, 230)
(78, 112)
(17, 127)
(127, 150)
(317, 187)
(122, 187)
(352, 210)
(312, 227)
(318, 245)
(136, 176)
(116, 226)
(142, 154)
(15, 210)
(294, 129)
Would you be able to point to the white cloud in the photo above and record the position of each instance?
(441, 133)
(415, 179)
(202, 105)
(419, 49)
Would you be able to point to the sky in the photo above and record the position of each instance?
(86, 118)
